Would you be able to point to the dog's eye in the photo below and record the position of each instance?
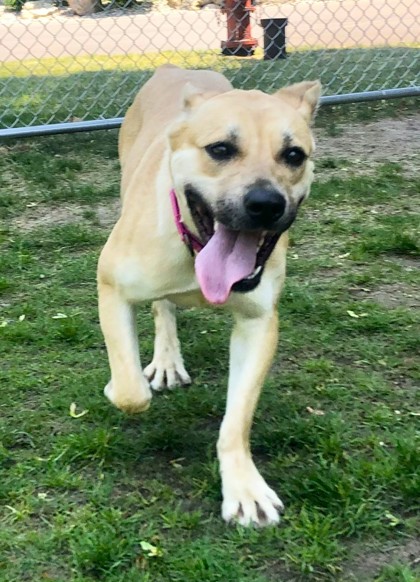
(221, 151)
(294, 156)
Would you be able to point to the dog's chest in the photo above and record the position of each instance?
(146, 280)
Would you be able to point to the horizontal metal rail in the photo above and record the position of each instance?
(371, 96)
(113, 123)
(55, 128)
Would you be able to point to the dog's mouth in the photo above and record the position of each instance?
(231, 260)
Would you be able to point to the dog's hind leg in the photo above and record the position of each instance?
(128, 388)
(247, 498)
(167, 367)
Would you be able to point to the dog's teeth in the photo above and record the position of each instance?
(254, 274)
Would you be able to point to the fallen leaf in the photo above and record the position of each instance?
(59, 316)
(393, 520)
(152, 551)
(177, 462)
(22, 317)
(352, 314)
(73, 412)
(315, 411)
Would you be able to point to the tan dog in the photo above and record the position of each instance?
(239, 164)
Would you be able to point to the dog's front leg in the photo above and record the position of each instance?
(167, 367)
(128, 389)
(246, 496)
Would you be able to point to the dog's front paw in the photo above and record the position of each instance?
(167, 372)
(247, 499)
(129, 401)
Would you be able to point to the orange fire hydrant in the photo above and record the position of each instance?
(240, 42)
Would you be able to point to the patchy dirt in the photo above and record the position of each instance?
(107, 215)
(409, 264)
(43, 216)
(391, 296)
(362, 147)
(365, 565)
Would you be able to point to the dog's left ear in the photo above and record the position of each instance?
(303, 96)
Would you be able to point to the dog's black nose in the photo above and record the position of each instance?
(264, 206)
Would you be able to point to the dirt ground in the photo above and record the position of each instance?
(364, 566)
(367, 145)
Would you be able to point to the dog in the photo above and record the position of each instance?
(212, 179)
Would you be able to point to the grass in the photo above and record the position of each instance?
(49, 90)
(103, 496)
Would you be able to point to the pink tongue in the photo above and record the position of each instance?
(228, 257)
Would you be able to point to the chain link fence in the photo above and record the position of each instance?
(63, 72)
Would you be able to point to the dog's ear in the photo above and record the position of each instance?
(303, 96)
(191, 97)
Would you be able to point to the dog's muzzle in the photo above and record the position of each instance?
(237, 238)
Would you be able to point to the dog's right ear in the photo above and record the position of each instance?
(191, 97)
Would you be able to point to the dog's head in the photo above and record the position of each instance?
(242, 159)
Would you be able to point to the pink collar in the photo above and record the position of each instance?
(193, 243)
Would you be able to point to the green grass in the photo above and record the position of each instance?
(82, 497)
(49, 90)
